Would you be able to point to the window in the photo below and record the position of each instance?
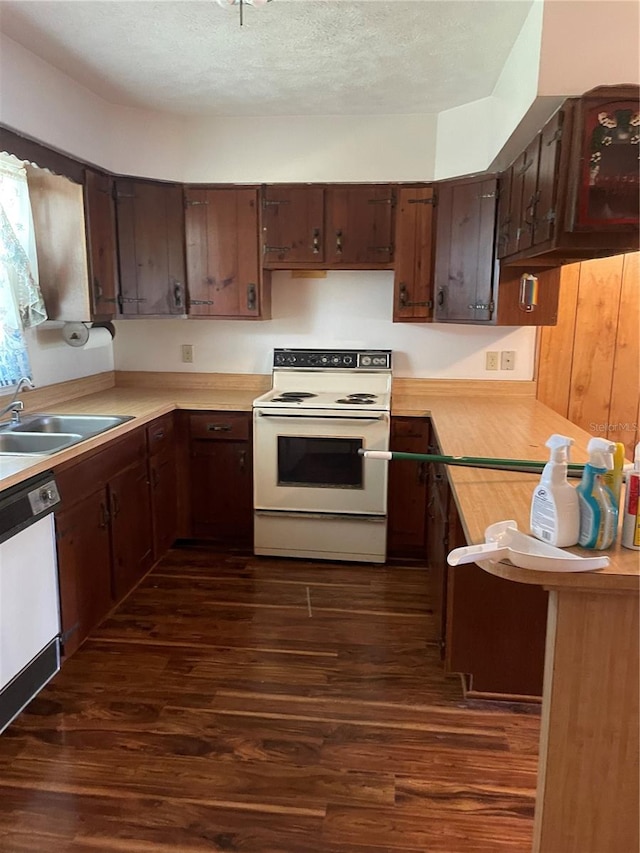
(21, 303)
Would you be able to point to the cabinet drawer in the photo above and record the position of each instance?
(220, 426)
(159, 434)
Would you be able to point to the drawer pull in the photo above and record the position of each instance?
(219, 427)
(158, 435)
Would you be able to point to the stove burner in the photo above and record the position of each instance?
(288, 399)
(297, 395)
(356, 401)
(362, 396)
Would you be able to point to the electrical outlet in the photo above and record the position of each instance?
(187, 353)
(491, 361)
(507, 360)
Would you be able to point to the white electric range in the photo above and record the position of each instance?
(314, 496)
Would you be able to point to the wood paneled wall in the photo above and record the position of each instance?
(589, 364)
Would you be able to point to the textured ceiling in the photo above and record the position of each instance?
(291, 57)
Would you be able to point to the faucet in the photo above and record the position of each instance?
(16, 406)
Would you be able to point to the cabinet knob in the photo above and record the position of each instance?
(219, 427)
(316, 241)
(251, 297)
(338, 242)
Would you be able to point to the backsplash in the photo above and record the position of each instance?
(346, 309)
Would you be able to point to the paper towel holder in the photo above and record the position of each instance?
(77, 334)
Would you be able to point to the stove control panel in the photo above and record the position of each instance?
(378, 359)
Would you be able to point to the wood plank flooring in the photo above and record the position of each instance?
(234, 703)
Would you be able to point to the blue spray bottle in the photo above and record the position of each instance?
(598, 508)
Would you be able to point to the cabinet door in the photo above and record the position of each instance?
(101, 242)
(222, 491)
(162, 475)
(464, 267)
(223, 266)
(292, 224)
(359, 225)
(437, 550)
(130, 527)
(547, 188)
(150, 218)
(407, 489)
(84, 567)
(606, 164)
(413, 279)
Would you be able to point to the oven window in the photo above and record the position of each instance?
(330, 463)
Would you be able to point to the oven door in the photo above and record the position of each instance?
(309, 462)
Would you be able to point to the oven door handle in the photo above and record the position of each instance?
(381, 417)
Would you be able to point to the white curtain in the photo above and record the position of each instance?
(21, 302)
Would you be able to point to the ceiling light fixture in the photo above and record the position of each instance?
(242, 4)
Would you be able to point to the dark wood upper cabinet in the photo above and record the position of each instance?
(360, 225)
(413, 280)
(292, 224)
(464, 255)
(573, 193)
(150, 220)
(100, 218)
(224, 273)
(333, 226)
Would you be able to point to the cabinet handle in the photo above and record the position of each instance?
(316, 241)
(97, 289)
(405, 302)
(251, 297)
(158, 435)
(338, 242)
(115, 505)
(219, 427)
(242, 460)
(422, 473)
(104, 516)
(440, 298)
(177, 294)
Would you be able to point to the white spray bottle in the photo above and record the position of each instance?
(555, 511)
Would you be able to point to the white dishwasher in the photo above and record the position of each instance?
(29, 595)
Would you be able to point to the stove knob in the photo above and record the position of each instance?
(324, 359)
(313, 358)
(365, 361)
(292, 359)
(348, 359)
(279, 359)
(335, 359)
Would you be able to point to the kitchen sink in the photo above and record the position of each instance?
(43, 434)
(36, 442)
(83, 425)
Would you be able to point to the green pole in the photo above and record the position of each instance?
(524, 466)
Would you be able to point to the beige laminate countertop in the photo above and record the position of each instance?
(475, 424)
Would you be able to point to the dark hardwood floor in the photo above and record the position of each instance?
(234, 703)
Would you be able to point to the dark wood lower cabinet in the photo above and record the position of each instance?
(490, 630)
(130, 528)
(221, 477)
(163, 483)
(84, 567)
(103, 532)
(407, 495)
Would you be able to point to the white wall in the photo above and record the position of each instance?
(470, 136)
(52, 360)
(347, 309)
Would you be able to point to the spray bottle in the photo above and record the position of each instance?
(631, 517)
(613, 478)
(555, 512)
(598, 510)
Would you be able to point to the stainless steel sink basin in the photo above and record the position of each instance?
(36, 442)
(83, 425)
